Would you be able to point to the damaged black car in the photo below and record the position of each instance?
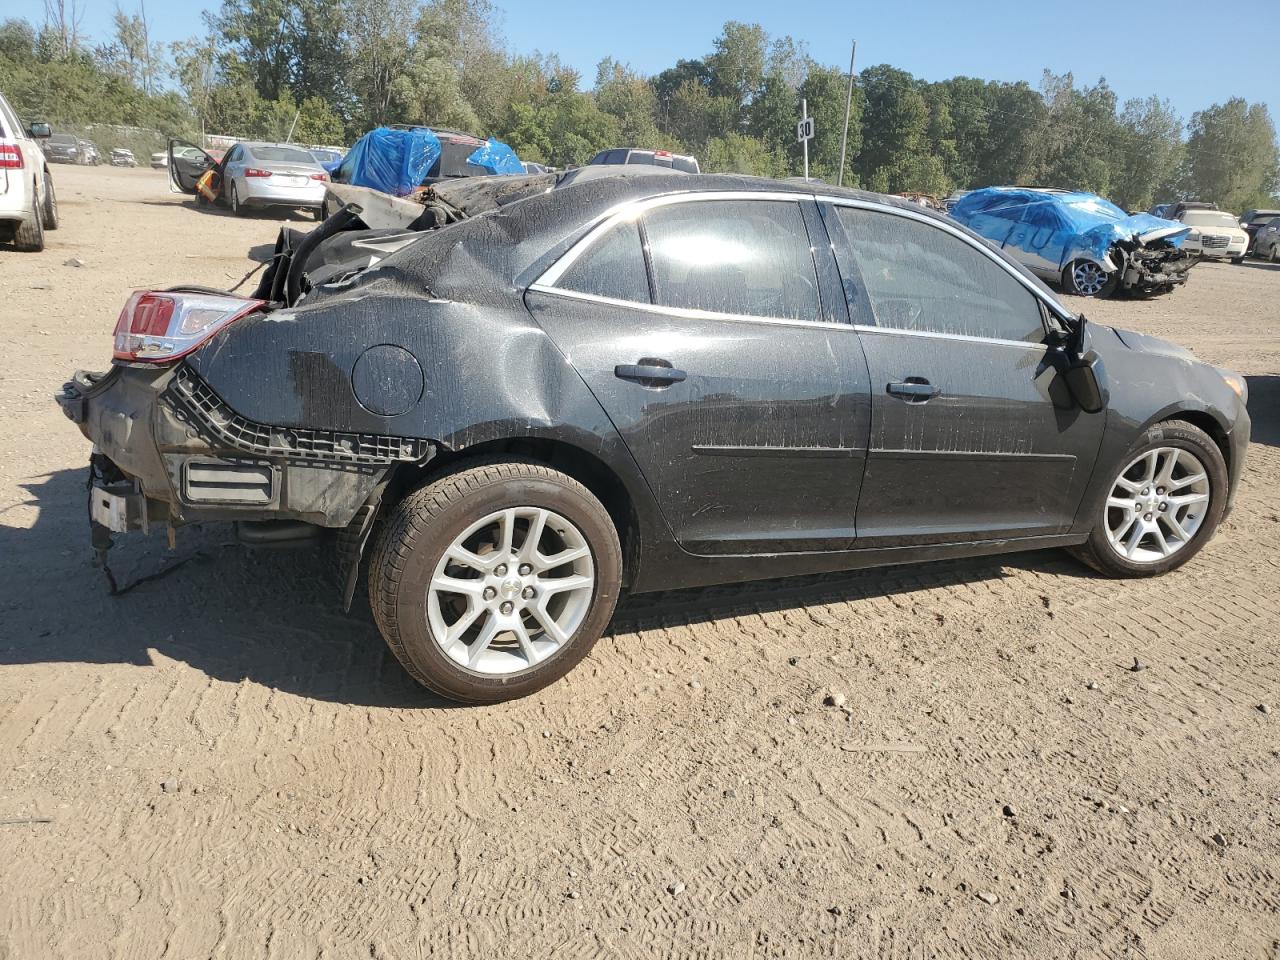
(511, 400)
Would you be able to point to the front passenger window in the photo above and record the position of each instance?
(919, 277)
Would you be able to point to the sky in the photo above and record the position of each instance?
(1193, 53)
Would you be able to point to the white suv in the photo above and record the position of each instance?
(27, 204)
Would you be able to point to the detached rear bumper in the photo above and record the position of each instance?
(176, 454)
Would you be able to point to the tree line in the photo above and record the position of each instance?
(328, 70)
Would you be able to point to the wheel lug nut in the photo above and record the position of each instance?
(527, 593)
(490, 593)
(525, 569)
(1147, 518)
(1164, 506)
(500, 570)
(507, 607)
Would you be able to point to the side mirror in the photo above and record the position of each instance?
(1081, 368)
(40, 130)
(1085, 378)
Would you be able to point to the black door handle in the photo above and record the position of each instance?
(913, 390)
(649, 372)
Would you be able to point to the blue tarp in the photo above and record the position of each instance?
(393, 161)
(1058, 227)
(496, 157)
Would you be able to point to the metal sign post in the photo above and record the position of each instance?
(848, 104)
(804, 133)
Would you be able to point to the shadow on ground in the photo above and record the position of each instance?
(275, 618)
(1264, 407)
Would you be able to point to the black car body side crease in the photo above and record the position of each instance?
(866, 383)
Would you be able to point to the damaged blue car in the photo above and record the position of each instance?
(1086, 244)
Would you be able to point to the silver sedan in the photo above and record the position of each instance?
(272, 175)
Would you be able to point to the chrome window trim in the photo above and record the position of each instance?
(963, 337)
(981, 247)
(632, 209)
(686, 312)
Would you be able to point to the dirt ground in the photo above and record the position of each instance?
(224, 764)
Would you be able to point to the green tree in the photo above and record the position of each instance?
(895, 155)
(630, 100)
(737, 65)
(826, 89)
(1149, 150)
(1232, 157)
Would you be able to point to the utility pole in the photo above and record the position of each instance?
(848, 105)
(804, 133)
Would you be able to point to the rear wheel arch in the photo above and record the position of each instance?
(573, 461)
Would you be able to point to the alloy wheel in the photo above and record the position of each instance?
(511, 590)
(1157, 504)
(1089, 278)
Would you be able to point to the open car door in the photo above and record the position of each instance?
(188, 165)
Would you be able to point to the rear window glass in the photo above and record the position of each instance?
(741, 257)
(280, 155)
(453, 161)
(65, 139)
(612, 267)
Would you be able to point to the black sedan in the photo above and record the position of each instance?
(549, 390)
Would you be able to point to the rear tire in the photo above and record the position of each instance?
(1084, 278)
(1105, 548)
(28, 235)
(50, 204)
(234, 200)
(519, 622)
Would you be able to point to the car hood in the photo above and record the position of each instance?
(1147, 344)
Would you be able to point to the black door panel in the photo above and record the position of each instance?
(966, 441)
(759, 449)
(990, 455)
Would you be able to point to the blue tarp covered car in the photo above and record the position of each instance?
(1079, 240)
(398, 160)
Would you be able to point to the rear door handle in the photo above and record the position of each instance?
(653, 371)
(913, 389)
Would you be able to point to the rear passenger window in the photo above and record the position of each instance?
(611, 267)
(745, 257)
(919, 277)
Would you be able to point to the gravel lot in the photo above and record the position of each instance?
(230, 766)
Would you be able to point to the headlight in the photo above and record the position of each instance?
(1236, 383)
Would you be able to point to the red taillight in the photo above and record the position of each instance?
(255, 172)
(320, 176)
(10, 156)
(157, 327)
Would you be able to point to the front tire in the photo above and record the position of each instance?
(493, 582)
(1163, 503)
(1084, 278)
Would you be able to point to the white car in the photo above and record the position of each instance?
(1215, 234)
(27, 204)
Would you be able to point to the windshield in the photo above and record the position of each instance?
(280, 155)
(1208, 218)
